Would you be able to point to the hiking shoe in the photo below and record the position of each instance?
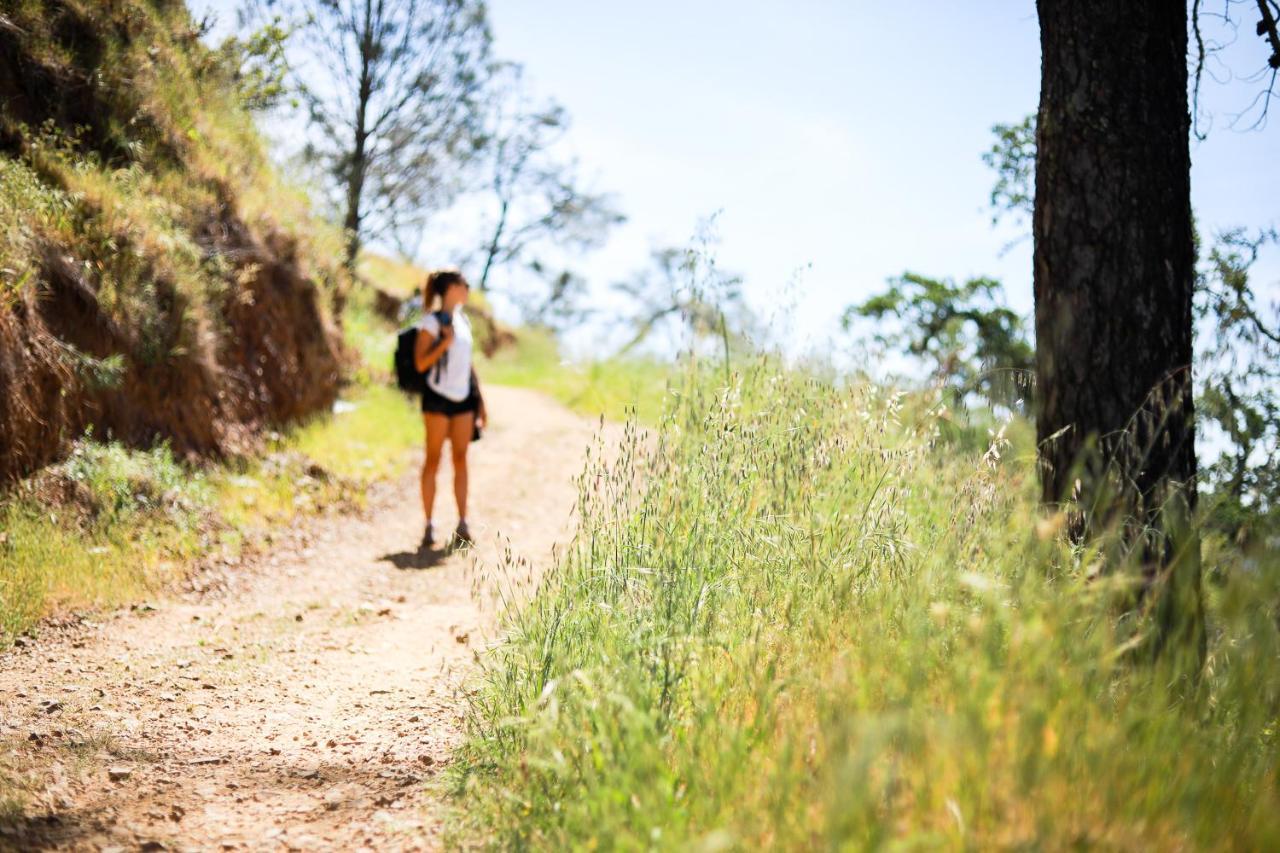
(428, 539)
(462, 537)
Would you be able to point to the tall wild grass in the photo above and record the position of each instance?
(806, 616)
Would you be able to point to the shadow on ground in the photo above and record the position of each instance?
(323, 794)
(50, 831)
(415, 560)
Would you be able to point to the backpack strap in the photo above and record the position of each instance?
(444, 356)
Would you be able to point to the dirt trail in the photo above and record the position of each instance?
(304, 707)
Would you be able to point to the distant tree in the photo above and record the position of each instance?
(970, 340)
(537, 197)
(1114, 282)
(684, 286)
(394, 91)
(1239, 360)
(1012, 157)
(564, 303)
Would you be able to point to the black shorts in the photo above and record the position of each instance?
(440, 405)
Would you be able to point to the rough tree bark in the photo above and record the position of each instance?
(1114, 272)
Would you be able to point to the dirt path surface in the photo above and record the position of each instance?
(306, 705)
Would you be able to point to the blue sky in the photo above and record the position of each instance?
(843, 139)
(840, 140)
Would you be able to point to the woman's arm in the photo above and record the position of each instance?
(428, 349)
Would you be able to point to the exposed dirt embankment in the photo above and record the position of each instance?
(276, 358)
(157, 283)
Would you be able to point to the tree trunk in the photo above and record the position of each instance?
(358, 165)
(494, 245)
(355, 190)
(1114, 272)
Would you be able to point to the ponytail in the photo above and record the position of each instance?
(438, 281)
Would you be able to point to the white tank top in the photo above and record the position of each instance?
(450, 377)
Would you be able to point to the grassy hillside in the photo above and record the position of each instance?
(831, 617)
(614, 388)
(523, 357)
(157, 280)
(397, 277)
(164, 298)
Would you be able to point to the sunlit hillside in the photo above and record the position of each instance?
(159, 280)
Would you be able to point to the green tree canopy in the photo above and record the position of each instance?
(969, 339)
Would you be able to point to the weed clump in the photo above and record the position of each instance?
(106, 484)
(105, 524)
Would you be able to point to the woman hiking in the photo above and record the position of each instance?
(451, 404)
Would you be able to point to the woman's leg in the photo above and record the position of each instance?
(460, 429)
(437, 427)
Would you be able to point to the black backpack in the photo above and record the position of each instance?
(407, 375)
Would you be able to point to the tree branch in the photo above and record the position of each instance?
(1267, 27)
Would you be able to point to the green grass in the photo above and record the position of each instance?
(612, 388)
(372, 337)
(367, 443)
(397, 277)
(101, 527)
(370, 442)
(811, 617)
(130, 187)
(110, 525)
